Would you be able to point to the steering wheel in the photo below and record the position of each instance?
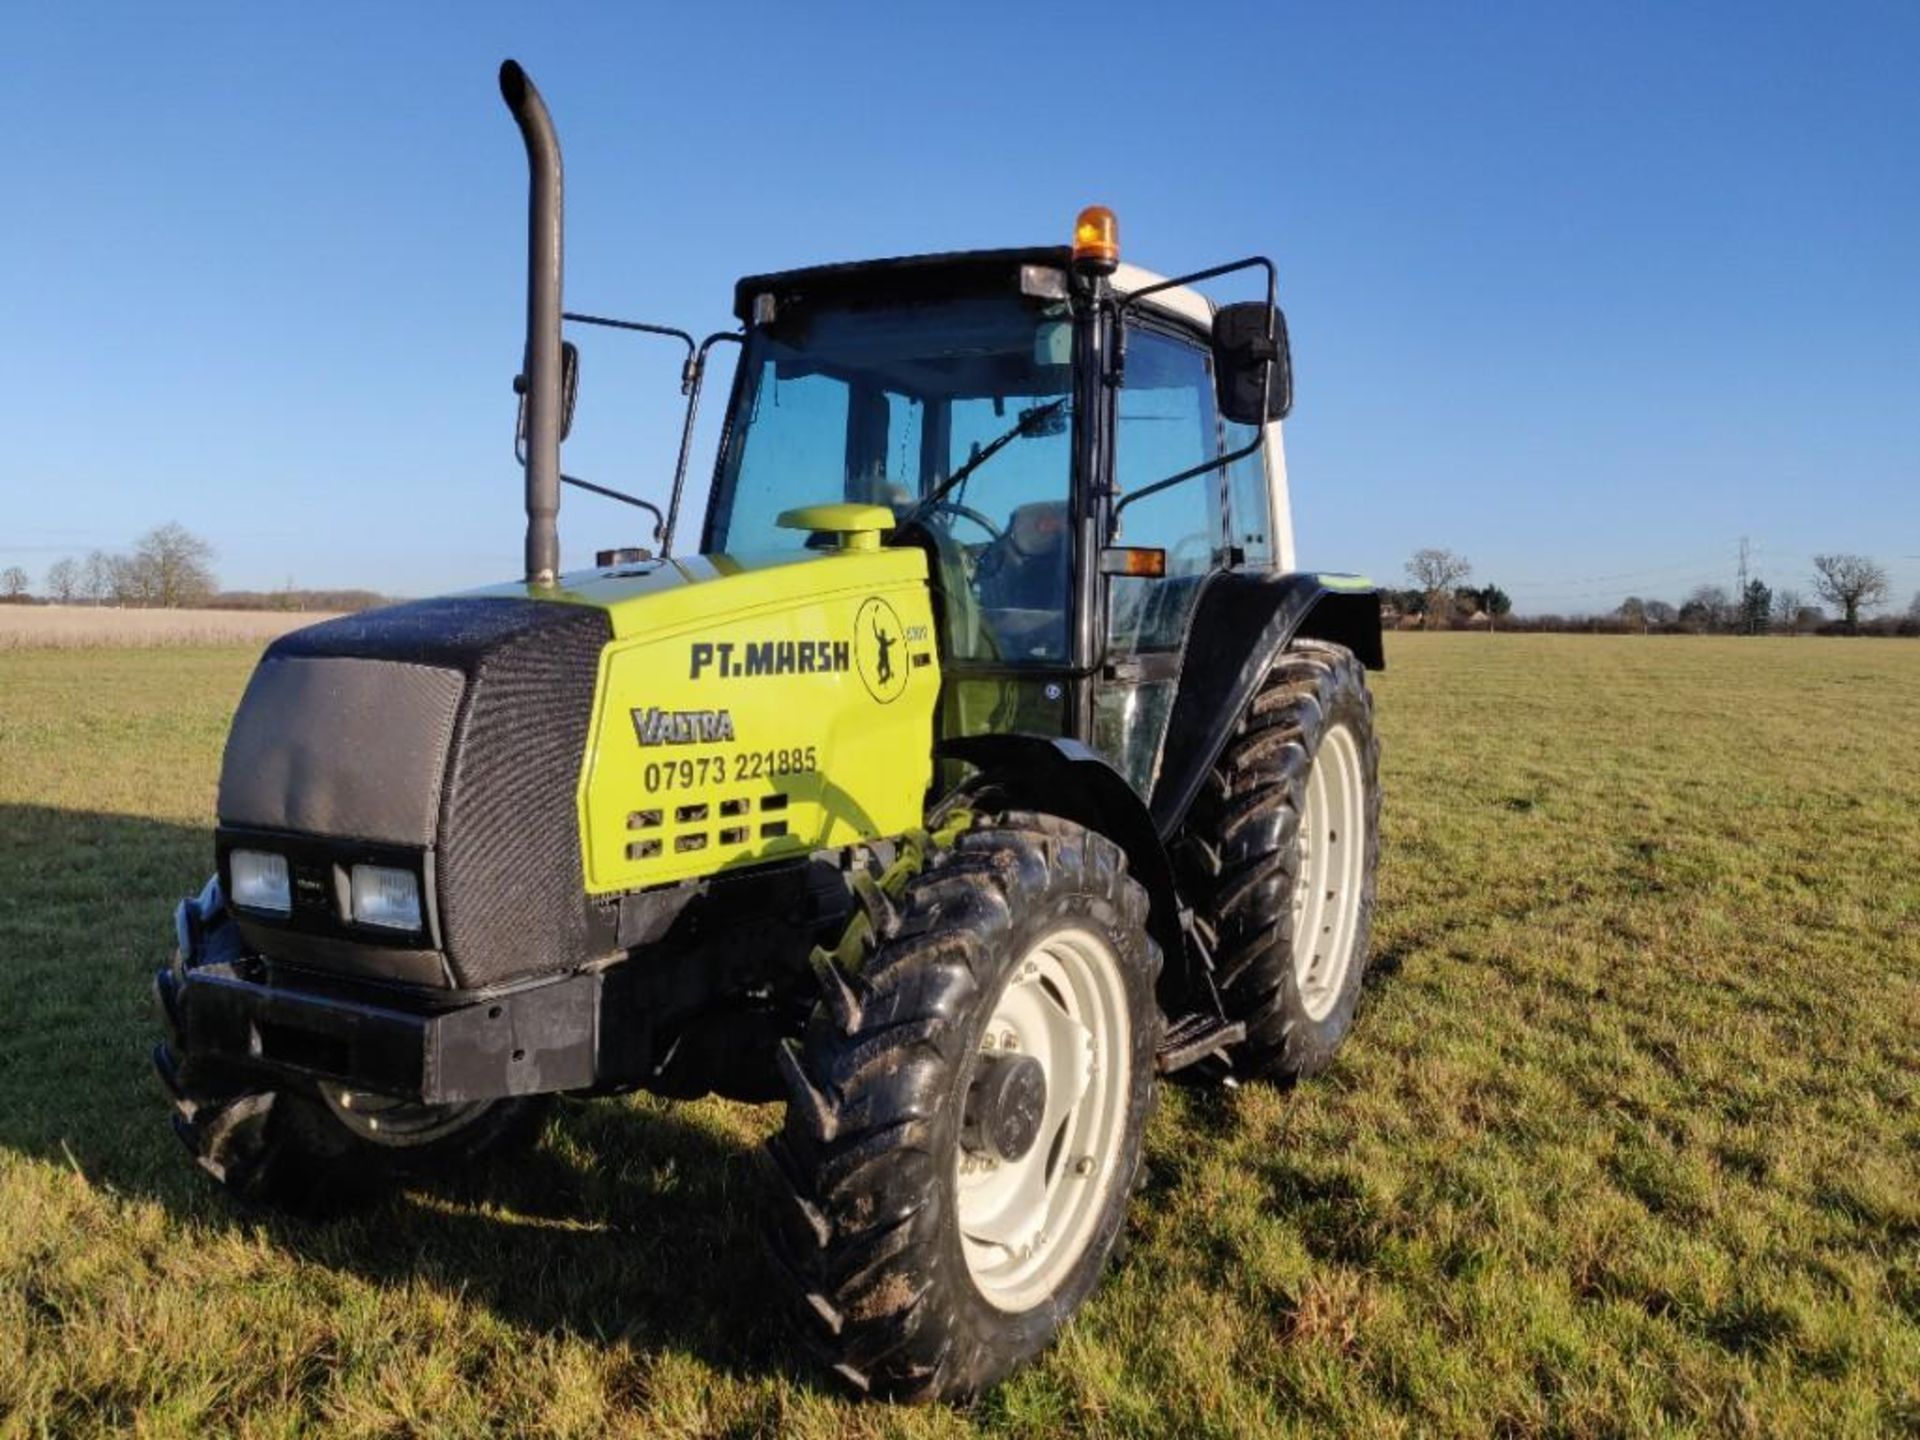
(966, 512)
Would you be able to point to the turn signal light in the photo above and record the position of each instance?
(1096, 240)
(1148, 562)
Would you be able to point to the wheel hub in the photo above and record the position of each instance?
(397, 1123)
(1041, 1130)
(1005, 1105)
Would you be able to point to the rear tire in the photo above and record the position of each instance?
(926, 1261)
(1279, 858)
(313, 1148)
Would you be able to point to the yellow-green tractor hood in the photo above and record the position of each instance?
(733, 687)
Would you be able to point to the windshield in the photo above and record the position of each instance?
(885, 405)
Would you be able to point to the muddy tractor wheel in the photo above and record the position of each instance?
(966, 1114)
(313, 1147)
(1279, 858)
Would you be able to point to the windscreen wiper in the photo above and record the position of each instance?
(1029, 423)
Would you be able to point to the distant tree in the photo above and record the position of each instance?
(177, 565)
(1707, 609)
(1659, 612)
(96, 575)
(1496, 602)
(1913, 610)
(130, 580)
(63, 580)
(1755, 606)
(1633, 613)
(1436, 572)
(1853, 582)
(13, 584)
(1788, 603)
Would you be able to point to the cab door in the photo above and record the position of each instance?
(1166, 421)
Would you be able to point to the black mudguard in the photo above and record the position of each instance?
(1061, 776)
(1242, 620)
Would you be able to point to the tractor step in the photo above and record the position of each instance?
(1194, 1037)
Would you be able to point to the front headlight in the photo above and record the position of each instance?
(386, 897)
(260, 881)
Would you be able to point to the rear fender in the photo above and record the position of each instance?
(1242, 621)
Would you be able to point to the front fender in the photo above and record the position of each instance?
(1061, 776)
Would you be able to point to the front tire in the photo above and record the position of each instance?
(966, 1115)
(1279, 857)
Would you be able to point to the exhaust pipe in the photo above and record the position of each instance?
(540, 379)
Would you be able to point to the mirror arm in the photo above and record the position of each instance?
(1218, 462)
(659, 520)
(667, 330)
(692, 377)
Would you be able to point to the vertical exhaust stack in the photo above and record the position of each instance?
(540, 375)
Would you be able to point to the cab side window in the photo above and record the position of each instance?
(1167, 422)
(1249, 502)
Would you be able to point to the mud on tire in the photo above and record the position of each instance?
(1240, 860)
(868, 1168)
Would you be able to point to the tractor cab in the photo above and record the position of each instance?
(1074, 443)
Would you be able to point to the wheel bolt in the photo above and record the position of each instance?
(1083, 1167)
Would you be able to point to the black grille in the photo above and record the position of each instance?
(512, 889)
(510, 883)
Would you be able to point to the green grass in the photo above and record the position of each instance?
(1627, 1139)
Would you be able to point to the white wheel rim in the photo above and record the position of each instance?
(1327, 889)
(387, 1121)
(1024, 1223)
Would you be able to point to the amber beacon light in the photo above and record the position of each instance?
(1096, 240)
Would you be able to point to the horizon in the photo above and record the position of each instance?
(1587, 299)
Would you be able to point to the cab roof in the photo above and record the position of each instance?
(957, 272)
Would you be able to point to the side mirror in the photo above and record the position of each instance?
(570, 384)
(1243, 359)
(569, 392)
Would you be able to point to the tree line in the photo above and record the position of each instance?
(168, 568)
(1853, 585)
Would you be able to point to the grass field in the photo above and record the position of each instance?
(1627, 1139)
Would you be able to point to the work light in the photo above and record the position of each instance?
(260, 881)
(385, 896)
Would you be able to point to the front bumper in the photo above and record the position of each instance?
(531, 1041)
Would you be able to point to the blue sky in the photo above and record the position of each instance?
(1587, 293)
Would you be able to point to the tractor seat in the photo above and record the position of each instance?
(1022, 582)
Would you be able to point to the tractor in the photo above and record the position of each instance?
(990, 761)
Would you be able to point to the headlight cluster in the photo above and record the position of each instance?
(260, 881)
(386, 897)
(383, 896)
